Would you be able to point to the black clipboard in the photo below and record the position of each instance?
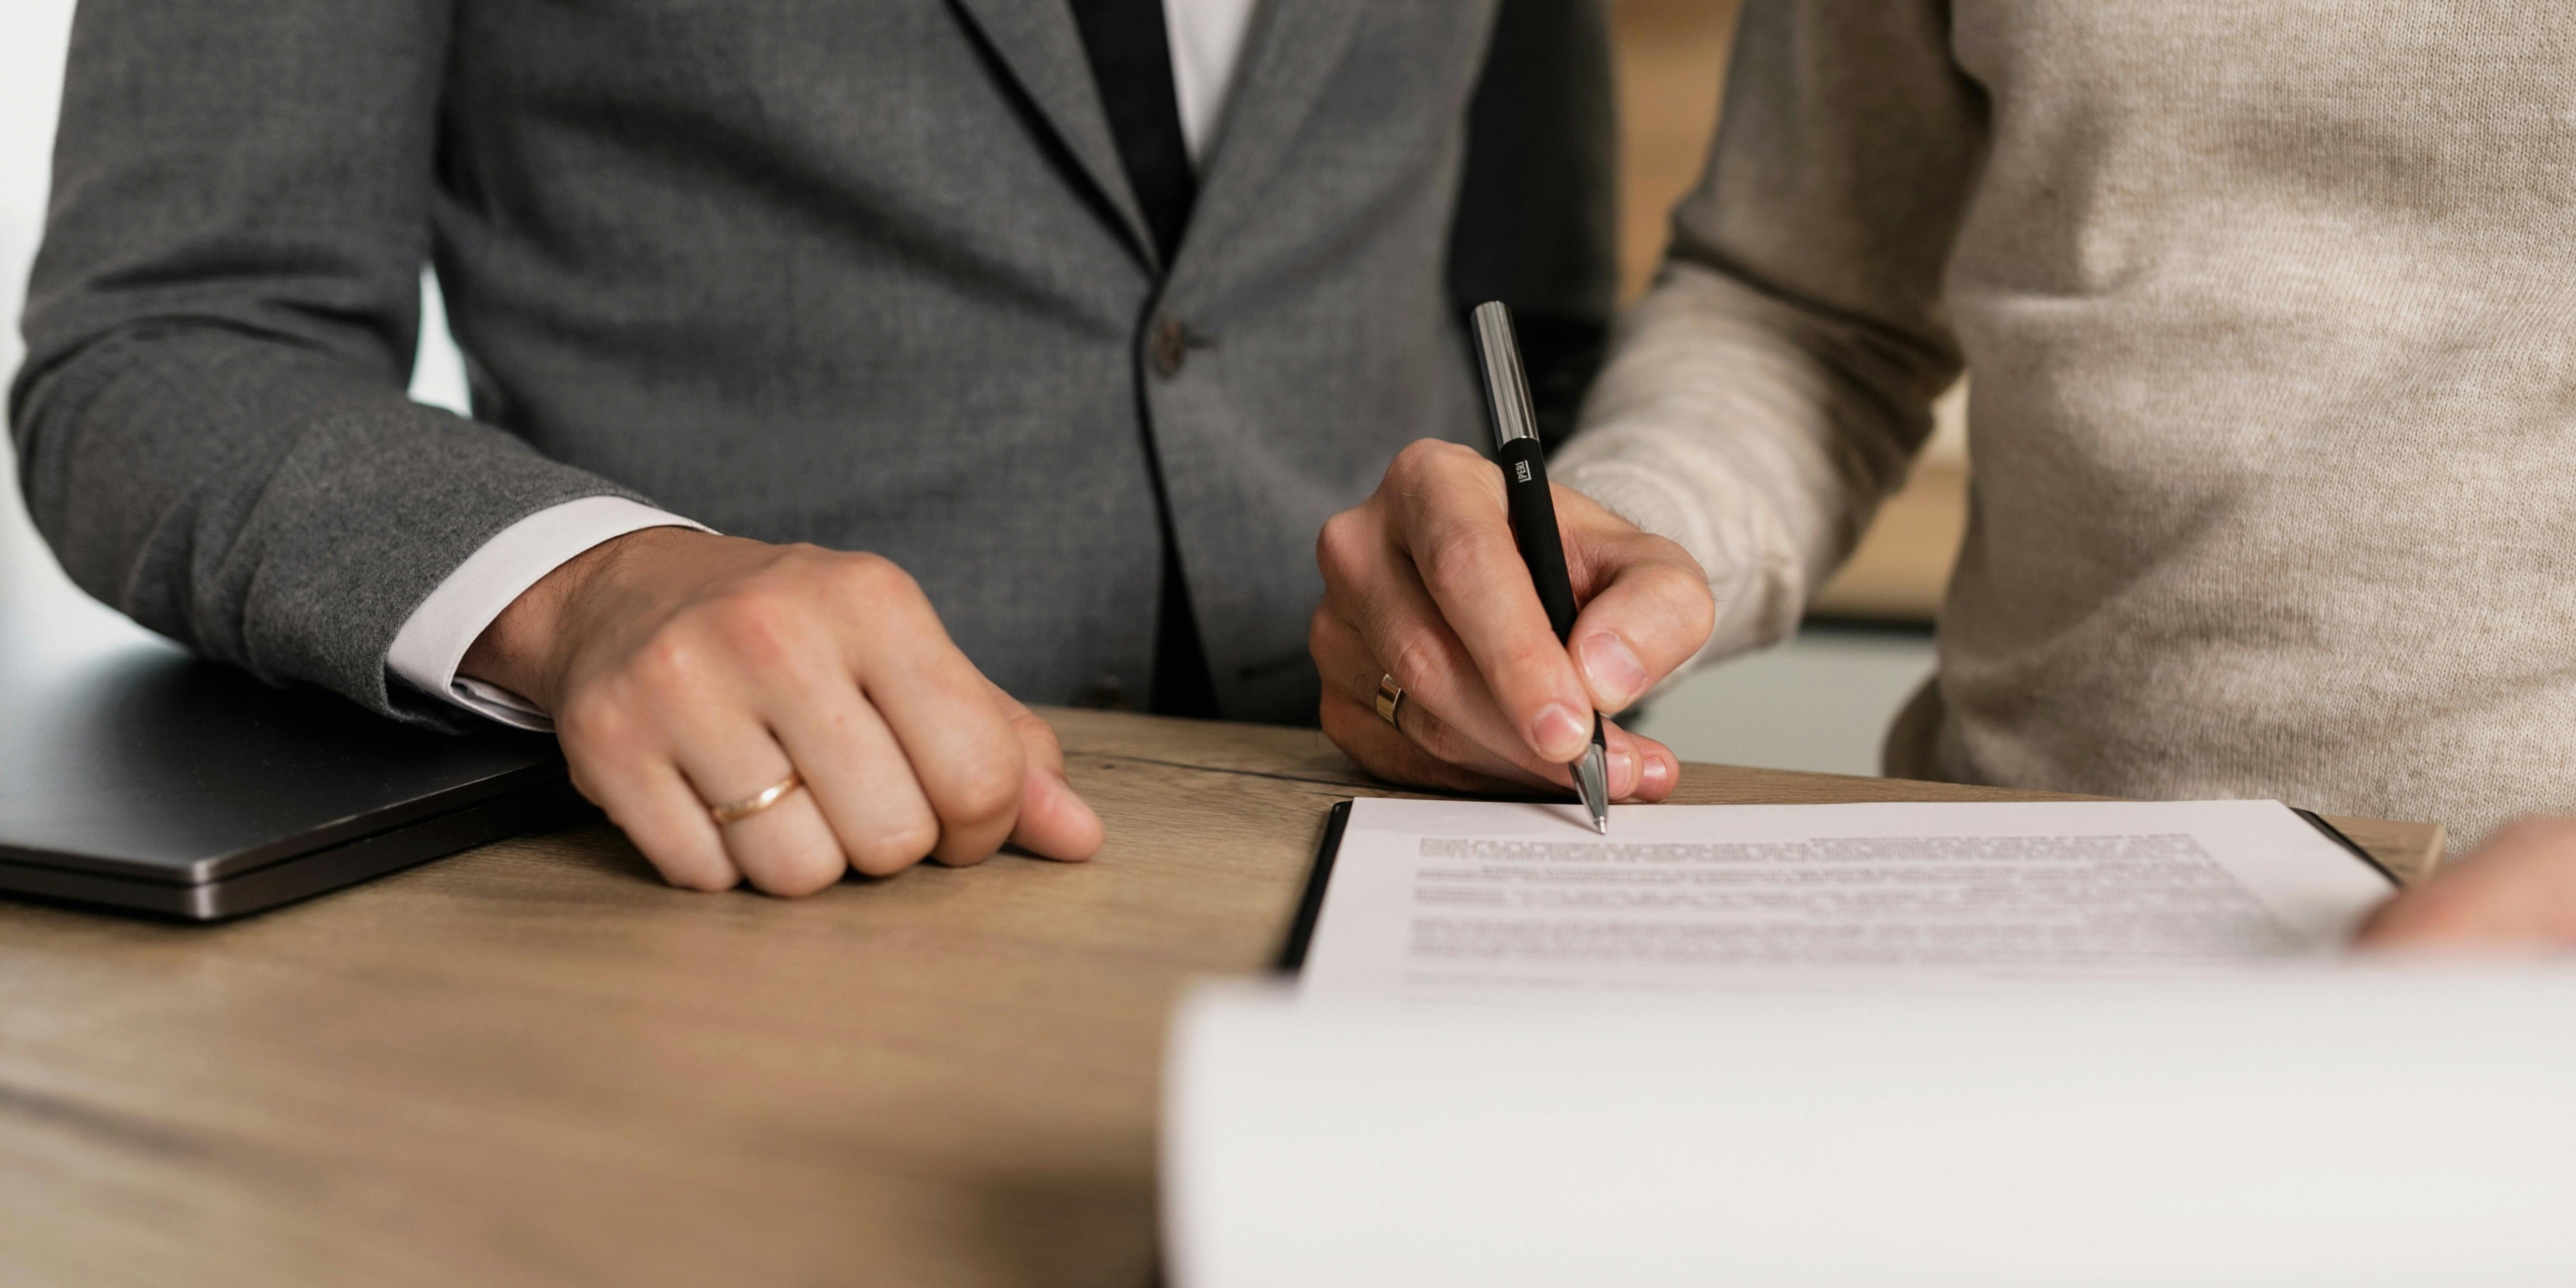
(2335, 834)
(1310, 905)
(1292, 954)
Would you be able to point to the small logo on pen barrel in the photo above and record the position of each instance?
(1521, 469)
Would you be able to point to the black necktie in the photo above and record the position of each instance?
(1131, 58)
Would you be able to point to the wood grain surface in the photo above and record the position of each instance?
(536, 1064)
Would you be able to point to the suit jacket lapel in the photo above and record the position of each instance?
(1039, 44)
(1288, 57)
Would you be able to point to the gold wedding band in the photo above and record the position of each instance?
(750, 805)
(1390, 699)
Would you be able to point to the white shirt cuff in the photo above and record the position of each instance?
(432, 642)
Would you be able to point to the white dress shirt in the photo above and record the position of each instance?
(1206, 38)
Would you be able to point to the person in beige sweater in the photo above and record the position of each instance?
(2271, 310)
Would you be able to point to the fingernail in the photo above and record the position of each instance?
(1558, 733)
(1612, 669)
(1623, 774)
(1656, 779)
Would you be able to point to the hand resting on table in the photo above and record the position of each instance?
(688, 671)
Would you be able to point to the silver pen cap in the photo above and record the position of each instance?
(1498, 355)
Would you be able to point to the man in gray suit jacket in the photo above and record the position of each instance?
(1076, 326)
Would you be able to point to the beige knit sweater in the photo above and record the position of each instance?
(2271, 310)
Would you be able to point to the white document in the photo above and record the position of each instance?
(2353, 1126)
(1465, 899)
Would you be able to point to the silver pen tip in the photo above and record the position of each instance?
(1592, 780)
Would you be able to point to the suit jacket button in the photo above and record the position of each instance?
(1168, 346)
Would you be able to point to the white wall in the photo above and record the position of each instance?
(31, 81)
(32, 38)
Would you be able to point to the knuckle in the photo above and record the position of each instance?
(1335, 533)
(1529, 662)
(1337, 546)
(1039, 746)
(1684, 594)
(1036, 735)
(1663, 550)
(1416, 660)
(1685, 581)
(1701, 616)
(893, 846)
(875, 579)
(789, 857)
(1449, 467)
(1454, 556)
(1425, 460)
(761, 626)
(590, 718)
(1453, 457)
(668, 664)
(876, 591)
(1410, 463)
(985, 791)
(1663, 559)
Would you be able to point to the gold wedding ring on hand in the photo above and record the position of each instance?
(753, 804)
(1390, 700)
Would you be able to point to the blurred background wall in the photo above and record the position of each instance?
(1819, 702)
(31, 83)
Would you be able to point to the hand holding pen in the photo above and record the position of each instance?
(1427, 593)
(1529, 499)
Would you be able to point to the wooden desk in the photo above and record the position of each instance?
(535, 1064)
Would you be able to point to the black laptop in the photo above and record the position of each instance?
(136, 776)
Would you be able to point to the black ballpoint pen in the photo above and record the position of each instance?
(1533, 511)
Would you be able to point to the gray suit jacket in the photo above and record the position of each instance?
(864, 273)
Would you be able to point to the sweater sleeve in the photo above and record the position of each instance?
(211, 423)
(1770, 390)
